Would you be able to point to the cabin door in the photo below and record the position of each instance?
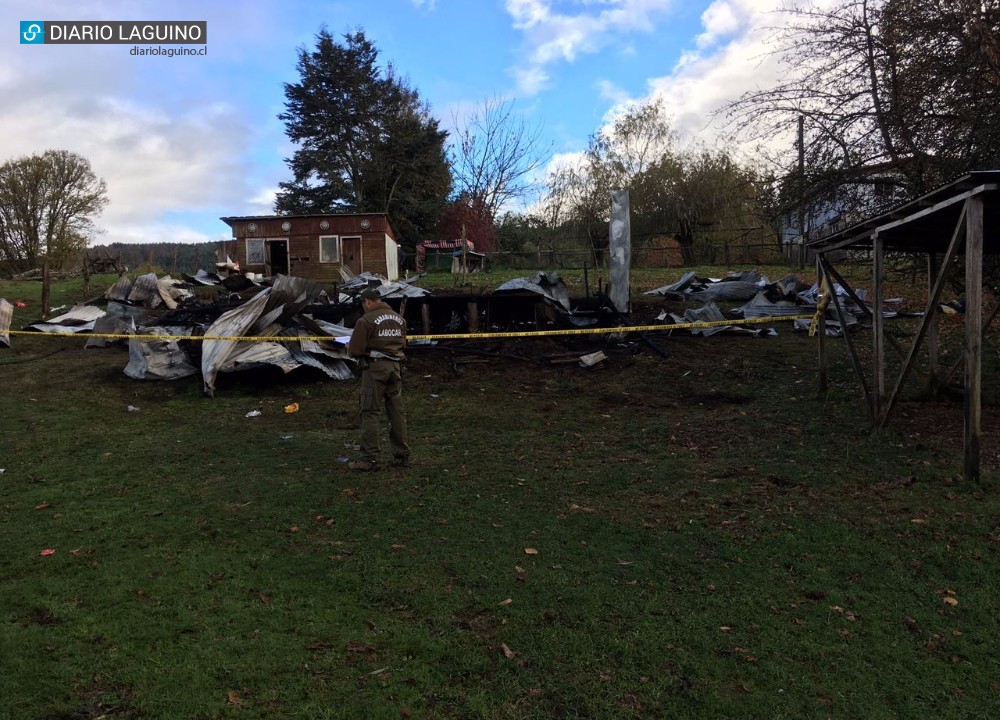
(276, 257)
(351, 249)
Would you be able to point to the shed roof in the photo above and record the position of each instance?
(231, 220)
(927, 223)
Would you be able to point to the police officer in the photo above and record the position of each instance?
(377, 342)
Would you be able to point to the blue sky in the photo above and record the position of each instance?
(183, 141)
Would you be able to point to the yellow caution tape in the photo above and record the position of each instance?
(449, 336)
(824, 301)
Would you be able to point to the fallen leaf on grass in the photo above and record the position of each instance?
(46, 552)
(508, 601)
(953, 601)
(234, 698)
(507, 652)
(292, 408)
(844, 613)
(725, 628)
(41, 506)
(82, 551)
(530, 551)
(396, 547)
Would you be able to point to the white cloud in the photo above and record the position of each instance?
(154, 162)
(428, 5)
(164, 134)
(530, 80)
(262, 203)
(730, 57)
(722, 18)
(554, 35)
(565, 161)
(612, 92)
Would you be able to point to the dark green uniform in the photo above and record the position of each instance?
(377, 341)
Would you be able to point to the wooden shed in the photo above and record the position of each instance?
(958, 219)
(315, 246)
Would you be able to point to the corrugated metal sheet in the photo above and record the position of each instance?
(6, 315)
(120, 290)
(548, 285)
(144, 291)
(171, 291)
(261, 353)
(265, 314)
(679, 286)
(79, 319)
(237, 322)
(157, 360)
(761, 307)
(709, 313)
(727, 290)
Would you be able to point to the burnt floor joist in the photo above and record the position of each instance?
(961, 217)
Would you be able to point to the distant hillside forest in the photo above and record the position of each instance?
(173, 258)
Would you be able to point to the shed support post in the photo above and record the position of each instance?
(425, 317)
(821, 328)
(842, 317)
(933, 365)
(539, 315)
(973, 334)
(473, 317)
(878, 326)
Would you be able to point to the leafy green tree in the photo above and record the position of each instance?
(366, 142)
(48, 203)
(519, 232)
(674, 192)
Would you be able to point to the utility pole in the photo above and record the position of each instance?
(801, 255)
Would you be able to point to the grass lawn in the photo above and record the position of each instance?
(701, 535)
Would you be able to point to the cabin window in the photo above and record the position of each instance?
(255, 251)
(329, 248)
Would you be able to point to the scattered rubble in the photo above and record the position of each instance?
(163, 320)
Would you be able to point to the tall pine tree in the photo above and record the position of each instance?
(366, 142)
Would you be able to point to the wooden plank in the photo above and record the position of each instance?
(473, 317)
(973, 335)
(821, 328)
(855, 360)
(929, 314)
(933, 364)
(46, 289)
(425, 317)
(878, 325)
(893, 343)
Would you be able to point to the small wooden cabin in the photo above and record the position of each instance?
(316, 246)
